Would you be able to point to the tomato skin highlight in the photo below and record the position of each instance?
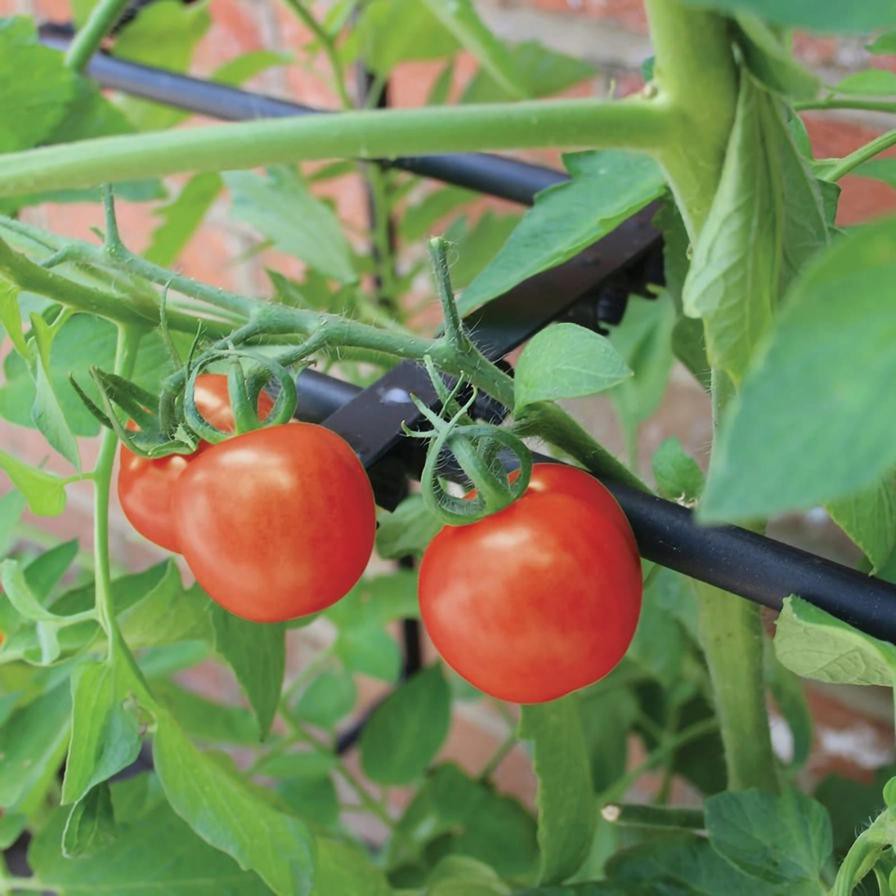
(539, 599)
(145, 487)
(276, 523)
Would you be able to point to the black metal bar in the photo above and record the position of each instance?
(494, 175)
(755, 567)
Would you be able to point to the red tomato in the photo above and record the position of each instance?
(276, 523)
(145, 486)
(538, 599)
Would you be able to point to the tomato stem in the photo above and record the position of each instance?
(87, 41)
(637, 123)
(845, 165)
(125, 357)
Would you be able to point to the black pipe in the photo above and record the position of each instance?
(758, 568)
(494, 175)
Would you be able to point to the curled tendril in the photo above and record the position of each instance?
(479, 449)
(244, 391)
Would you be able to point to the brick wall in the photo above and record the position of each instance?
(611, 34)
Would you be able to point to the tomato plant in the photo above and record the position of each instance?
(163, 735)
(146, 486)
(539, 599)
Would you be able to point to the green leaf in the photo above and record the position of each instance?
(407, 530)
(872, 82)
(463, 876)
(816, 645)
(11, 318)
(766, 219)
(46, 411)
(313, 799)
(678, 476)
(164, 35)
(90, 825)
(771, 61)
(420, 220)
(541, 72)
(362, 643)
(644, 340)
(566, 361)
(608, 714)
(248, 65)
(474, 246)
(44, 572)
(283, 209)
(105, 733)
(181, 217)
(884, 44)
(311, 763)
(327, 699)
(21, 596)
(776, 449)
(32, 105)
(831, 17)
(32, 744)
(204, 719)
(344, 869)
(393, 31)
(168, 612)
(12, 506)
(566, 807)
(681, 865)
(257, 655)
(368, 650)
(782, 839)
(453, 814)
(607, 187)
(126, 591)
(406, 730)
(227, 813)
(172, 861)
(869, 519)
(462, 20)
(90, 114)
(790, 698)
(44, 492)
(850, 804)
(878, 169)
(84, 340)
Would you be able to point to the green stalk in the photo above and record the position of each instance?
(88, 39)
(696, 74)
(326, 45)
(125, 357)
(731, 636)
(657, 817)
(368, 134)
(888, 106)
(862, 154)
(135, 309)
(621, 785)
(696, 71)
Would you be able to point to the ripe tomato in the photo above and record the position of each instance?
(538, 599)
(145, 486)
(276, 523)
